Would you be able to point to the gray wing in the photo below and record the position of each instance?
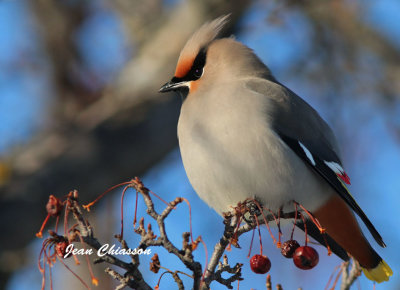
(302, 129)
(295, 118)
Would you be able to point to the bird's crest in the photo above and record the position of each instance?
(200, 39)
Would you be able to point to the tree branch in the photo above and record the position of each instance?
(244, 217)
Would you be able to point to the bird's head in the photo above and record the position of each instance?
(193, 57)
(206, 59)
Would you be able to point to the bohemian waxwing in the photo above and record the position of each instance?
(242, 134)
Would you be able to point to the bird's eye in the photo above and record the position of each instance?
(198, 72)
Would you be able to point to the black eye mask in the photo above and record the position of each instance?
(196, 70)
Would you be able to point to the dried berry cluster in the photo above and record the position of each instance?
(55, 246)
(304, 257)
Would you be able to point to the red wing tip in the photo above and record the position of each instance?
(345, 178)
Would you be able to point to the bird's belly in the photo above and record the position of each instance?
(224, 174)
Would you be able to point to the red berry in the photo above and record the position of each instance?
(61, 248)
(305, 258)
(260, 264)
(54, 206)
(288, 248)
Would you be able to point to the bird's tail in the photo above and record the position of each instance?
(380, 273)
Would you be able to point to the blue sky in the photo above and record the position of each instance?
(22, 97)
(373, 163)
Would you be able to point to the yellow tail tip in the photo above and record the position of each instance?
(380, 273)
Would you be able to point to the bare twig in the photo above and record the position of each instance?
(124, 280)
(348, 277)
(233, 230)
(133, 277)
(178, 280)
(185, 256)
(225, 267)
(231, 222)
(268, 283)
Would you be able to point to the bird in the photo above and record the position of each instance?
(243, 134)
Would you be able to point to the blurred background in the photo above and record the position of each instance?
(79, 109)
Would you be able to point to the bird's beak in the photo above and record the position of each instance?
(172, 86)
